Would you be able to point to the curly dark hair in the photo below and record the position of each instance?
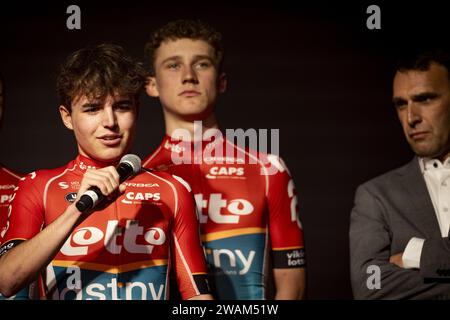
(179, 29)
(97, 71)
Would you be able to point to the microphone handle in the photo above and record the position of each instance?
(89, 198)
(93, 195)
(124, 170)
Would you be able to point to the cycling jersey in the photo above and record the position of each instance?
(8, 182)
(248, 212)
(123, 251)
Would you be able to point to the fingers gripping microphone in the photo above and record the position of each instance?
(129, 165)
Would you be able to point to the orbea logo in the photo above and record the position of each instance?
(216, 205)
(141, 185)
(138, 197)
(79, 242)
(215, 172)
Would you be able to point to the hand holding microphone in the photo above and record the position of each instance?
(129, 165)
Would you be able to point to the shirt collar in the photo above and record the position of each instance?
(426, 163)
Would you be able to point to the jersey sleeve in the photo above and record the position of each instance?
(285, 228)
(25, 218)
(25, 214)
(187, 252)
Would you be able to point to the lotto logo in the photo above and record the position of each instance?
(215, 205)
(80, 240)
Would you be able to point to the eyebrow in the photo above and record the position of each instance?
(424, 95)
(88, 105)
(123, 101)
(196, 58)
(416, 97)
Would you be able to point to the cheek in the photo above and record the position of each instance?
(211, 85)
(83, 127)
(128, 122)
(444, 126)
(439, 119)
(166, 83)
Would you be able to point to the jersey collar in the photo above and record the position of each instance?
(83, 163)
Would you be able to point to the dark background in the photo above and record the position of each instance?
(312, 70)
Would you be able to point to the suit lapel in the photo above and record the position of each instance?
(422, 211)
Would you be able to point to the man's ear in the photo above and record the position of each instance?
(66, 117)
(151, 88)
(222, 82)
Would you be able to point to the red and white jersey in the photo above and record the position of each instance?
(123, 251)
(8, 182)
(248, 212)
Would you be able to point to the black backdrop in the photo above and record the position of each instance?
(312, 70)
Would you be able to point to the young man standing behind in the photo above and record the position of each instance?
(248, 214)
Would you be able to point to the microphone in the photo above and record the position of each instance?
(129, 165)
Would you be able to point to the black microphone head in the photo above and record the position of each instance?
(133, 160)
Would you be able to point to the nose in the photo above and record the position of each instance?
(109, 118)
(414, 116)
(189, 76)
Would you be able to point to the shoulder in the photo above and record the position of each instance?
(269, 163)
(273, 166)
(40, 178)
(177, 183)
(156, 158)
(388, 180)
(10, 174)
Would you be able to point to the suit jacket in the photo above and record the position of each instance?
(388, 211)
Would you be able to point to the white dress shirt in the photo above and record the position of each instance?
(437, 178)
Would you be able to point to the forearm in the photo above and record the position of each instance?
(290, 284)
(391, 282)
(372, 275)
(21, 264)
(435, 259)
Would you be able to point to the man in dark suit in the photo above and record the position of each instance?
(399, 228)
